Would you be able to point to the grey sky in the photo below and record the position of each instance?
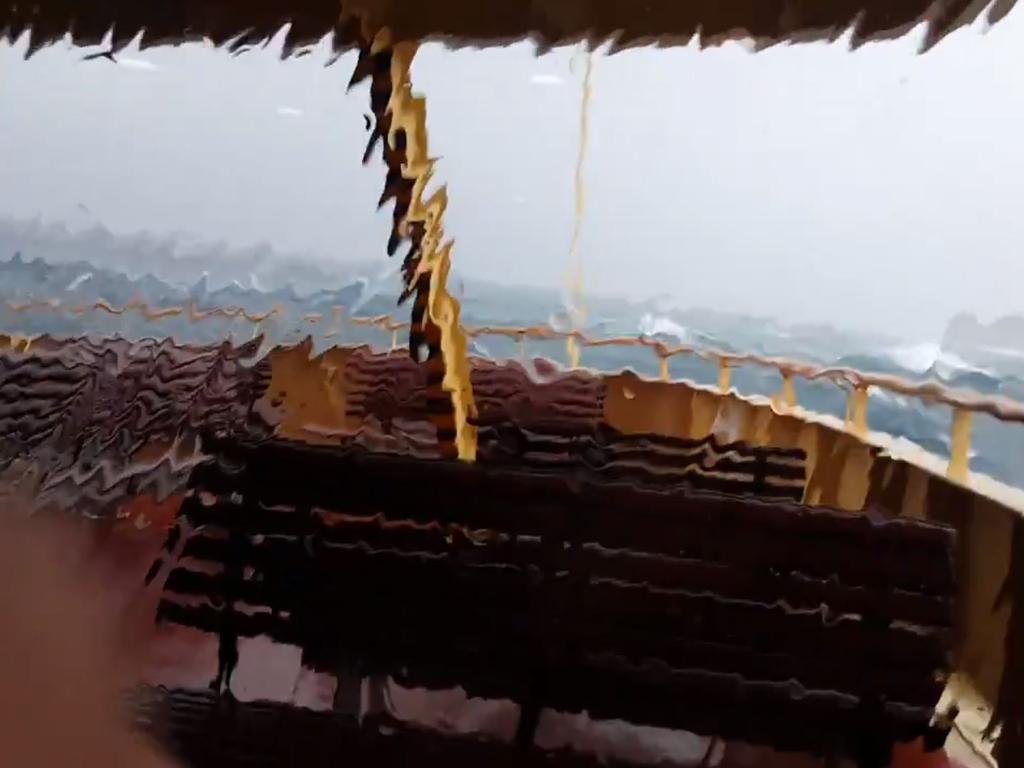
(876, 188)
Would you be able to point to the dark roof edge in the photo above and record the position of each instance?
(460, 23)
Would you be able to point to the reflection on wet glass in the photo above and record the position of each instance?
(399, 512)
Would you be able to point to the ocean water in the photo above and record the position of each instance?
(998, 447)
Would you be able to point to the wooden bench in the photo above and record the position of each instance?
(759, 620)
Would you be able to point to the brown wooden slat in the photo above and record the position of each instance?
(646, 458)
(905, 554)
(413, 597)
(627, 567)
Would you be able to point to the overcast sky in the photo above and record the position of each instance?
(876, 188)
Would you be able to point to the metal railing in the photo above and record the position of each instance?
(858, 383)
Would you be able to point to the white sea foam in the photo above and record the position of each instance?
(925, 356)
(78, 281)
(659, 325)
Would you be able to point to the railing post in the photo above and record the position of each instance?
(271, 321)
(788, 391)
(15, 342)
(336, 325)
(960, 444)
(724, 376)
(857, 411)
(787, 397)
(572, 346)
